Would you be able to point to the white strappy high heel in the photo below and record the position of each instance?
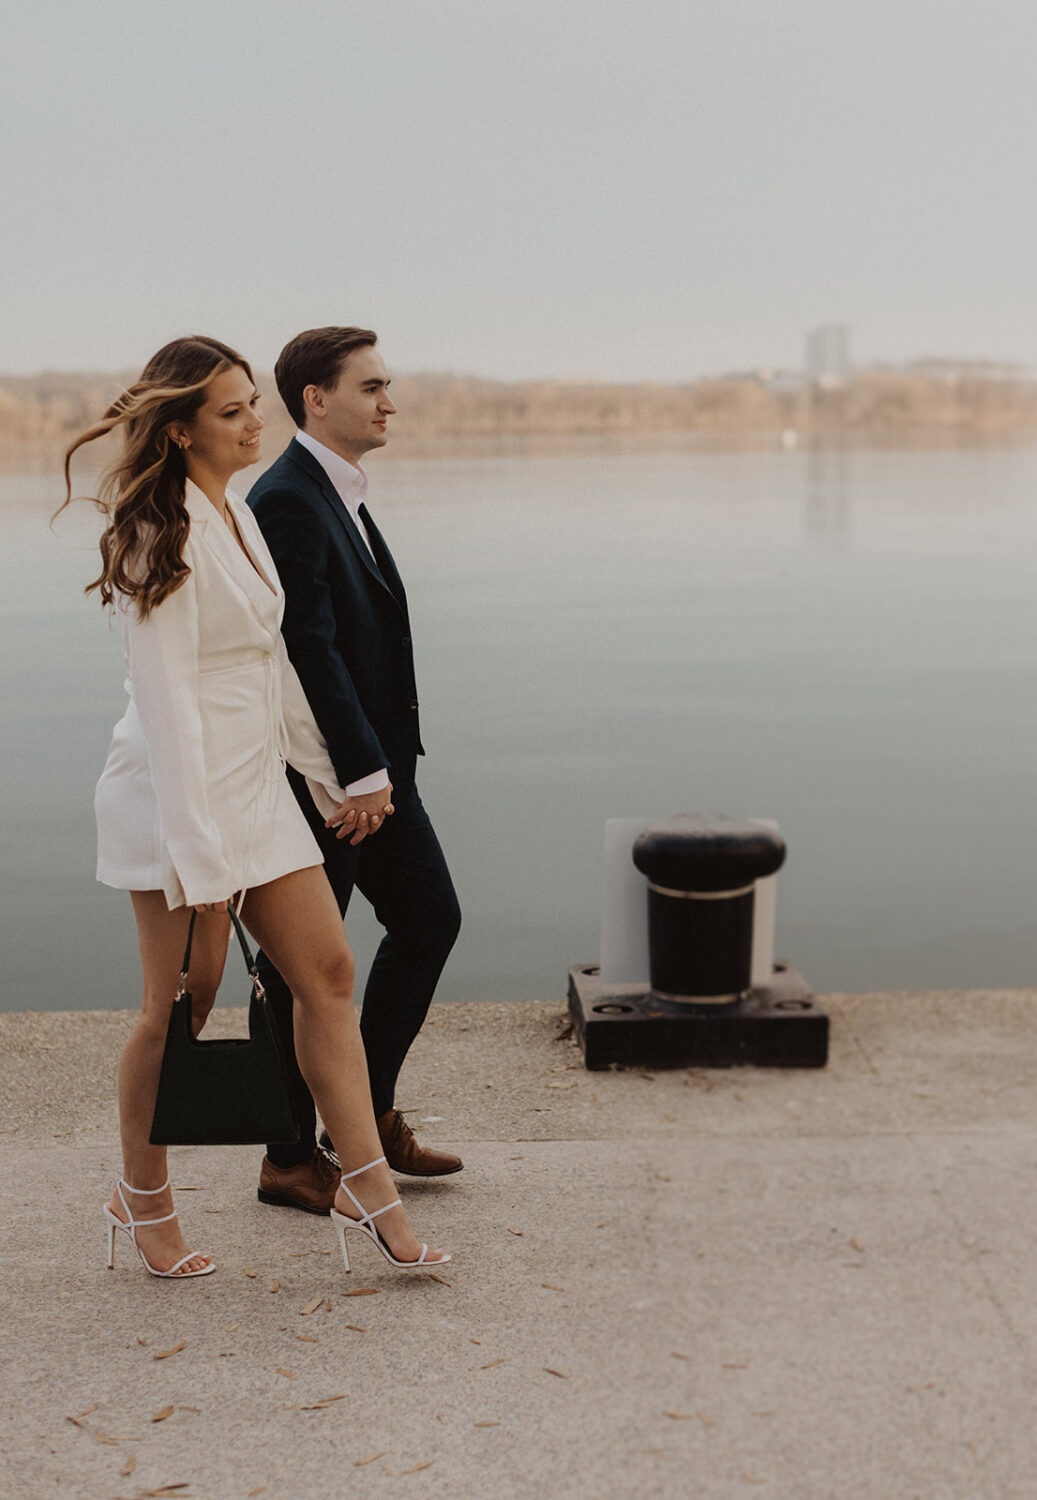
(365, 1224)
(130, 1225)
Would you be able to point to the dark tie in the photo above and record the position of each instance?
(381, 553)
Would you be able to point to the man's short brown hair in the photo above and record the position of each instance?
(315, 357)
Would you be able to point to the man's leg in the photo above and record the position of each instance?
(403, 873)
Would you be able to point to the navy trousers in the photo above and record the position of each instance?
(401, 871)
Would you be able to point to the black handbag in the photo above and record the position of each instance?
(228, 1092)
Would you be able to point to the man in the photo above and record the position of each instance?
(348, 636)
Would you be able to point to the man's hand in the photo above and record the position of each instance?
(362, 816)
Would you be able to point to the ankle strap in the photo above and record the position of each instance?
(347, 1175)
(144, 1192)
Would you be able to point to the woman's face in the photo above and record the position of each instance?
(223, 434)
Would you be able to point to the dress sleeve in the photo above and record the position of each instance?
(162, 652)
(306, 750)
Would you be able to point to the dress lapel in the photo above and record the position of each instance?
(254, 576)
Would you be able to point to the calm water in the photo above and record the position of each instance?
(843, 641)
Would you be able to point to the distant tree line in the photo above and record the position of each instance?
(52, 406)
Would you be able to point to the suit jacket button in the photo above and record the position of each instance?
(405, 641)
(414, 703)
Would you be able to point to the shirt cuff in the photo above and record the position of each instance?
(372, 783)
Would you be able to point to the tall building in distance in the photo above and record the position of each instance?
(828, 355)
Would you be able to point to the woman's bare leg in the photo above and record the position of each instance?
(296, 922)
(162, 934)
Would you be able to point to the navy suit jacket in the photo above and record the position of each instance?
(345, 621)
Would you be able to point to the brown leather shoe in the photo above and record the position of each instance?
(405, 1153)
(310, 1185)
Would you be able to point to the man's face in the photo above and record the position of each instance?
(353, 418)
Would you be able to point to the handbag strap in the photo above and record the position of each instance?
(246, 953)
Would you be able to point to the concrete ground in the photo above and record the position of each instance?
(711, 1285)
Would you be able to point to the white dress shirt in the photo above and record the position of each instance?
(350, 483)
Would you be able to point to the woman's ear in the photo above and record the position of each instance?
(177, 435)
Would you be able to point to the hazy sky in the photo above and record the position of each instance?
(649, 189)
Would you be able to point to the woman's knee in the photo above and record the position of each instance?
(329, 980)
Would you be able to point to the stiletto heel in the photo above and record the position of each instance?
(365, 1225)
(130, 1225)
(341, 1230)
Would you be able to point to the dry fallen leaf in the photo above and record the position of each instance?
(355, 1328)
(514, 1231)
(275, 1286)
(311, 1307)
(319, 1405)
(417, 1467)
(549, 1286)
(165, 1353)
(679, 1416)
(492, 1364)
(370, 1458)
(142, 1342)
(486, 1424)
(855, 1244)
(705, 1418)
(435, 1276)
(160, 1416)
(252, 1275)
(675, 1355)
(259, 1490)
(327, 1304)
(306, 1338)
(560, 1373)
(129, 1466)
(734, 1365)
(88, 1410)
(197, 1410)
(288, 1374)
(361, 1291)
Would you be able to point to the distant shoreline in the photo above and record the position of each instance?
(925, 404)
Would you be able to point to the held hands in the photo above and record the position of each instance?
(362, 816)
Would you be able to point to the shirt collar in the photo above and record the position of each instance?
(350, 480)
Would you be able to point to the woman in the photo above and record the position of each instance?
(193, 809)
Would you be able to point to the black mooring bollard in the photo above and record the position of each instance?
(702, 1008)
(701, 870)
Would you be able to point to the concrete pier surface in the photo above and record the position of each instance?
(687, 1284)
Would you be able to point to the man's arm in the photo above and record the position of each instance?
(299, 543)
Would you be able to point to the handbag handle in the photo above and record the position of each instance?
(250, 963)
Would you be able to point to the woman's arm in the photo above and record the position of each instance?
(163, 659)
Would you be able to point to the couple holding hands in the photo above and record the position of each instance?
(266, 760)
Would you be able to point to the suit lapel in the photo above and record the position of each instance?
(331, 497)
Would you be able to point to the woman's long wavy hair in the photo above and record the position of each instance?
(142, 494)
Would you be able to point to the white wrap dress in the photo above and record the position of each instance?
(193, 799)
